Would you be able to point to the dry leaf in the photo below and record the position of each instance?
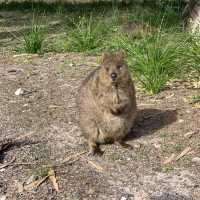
(73, 156)
(170, 159)
(190, 134)
(52, 177)
(95, 165)
(35, 184)
(183, 153)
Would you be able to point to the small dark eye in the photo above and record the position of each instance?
(119, 66)
(107, 69)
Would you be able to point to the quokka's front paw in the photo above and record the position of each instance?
(95, 151)
(116, 111)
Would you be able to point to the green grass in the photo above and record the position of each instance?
(87, 35)
(76, 196)
(168, 168)
(154, 61)
(40, 172)
(193, 54)
(196, 98)
(34, 38)
(155, 54)
(178, 147)
(57, 45)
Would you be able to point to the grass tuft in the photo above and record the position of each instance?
(34, 38)
(88, 34)
(192, 55)
(154, 62)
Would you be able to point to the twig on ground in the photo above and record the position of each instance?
(71, 159)
(67, 161)
(173, 157)
(170, 159)
(8, 164)
(35, 184)
(183, 153)
(16, 164)
(94, 164)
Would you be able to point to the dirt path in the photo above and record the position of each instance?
(47, 113)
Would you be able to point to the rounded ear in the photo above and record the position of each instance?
(105, 56)
(120, 54)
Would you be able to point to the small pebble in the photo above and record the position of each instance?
(2, 197)
(19, 91)
(180, 120)
(2, 170)
(196, 159)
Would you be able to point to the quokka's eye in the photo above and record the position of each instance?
(119, 66)
(107, 69)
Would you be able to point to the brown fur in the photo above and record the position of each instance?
(107, 108)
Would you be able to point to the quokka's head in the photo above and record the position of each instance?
(114, 69)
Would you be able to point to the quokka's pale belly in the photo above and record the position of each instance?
(112, 128)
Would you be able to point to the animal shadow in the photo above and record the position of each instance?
(149, 121)
(15, 144)
(171, 196)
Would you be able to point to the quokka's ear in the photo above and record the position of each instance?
(120, 54)
(105, 56)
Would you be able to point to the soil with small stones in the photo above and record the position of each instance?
(43, 121)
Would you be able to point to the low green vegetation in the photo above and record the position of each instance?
(168, 168)
(158, 49)
(154, 61)
(178, 147)
(40, 172)
(87, 35)
(195, 98)
(192, 54)
(34, 38)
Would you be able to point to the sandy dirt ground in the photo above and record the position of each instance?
(42, 122)
(45, 118)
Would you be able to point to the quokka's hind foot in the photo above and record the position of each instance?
(124, 144)
(94, 149)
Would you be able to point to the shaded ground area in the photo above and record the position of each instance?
(46, 113)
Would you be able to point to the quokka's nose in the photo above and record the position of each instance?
(113, 76)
